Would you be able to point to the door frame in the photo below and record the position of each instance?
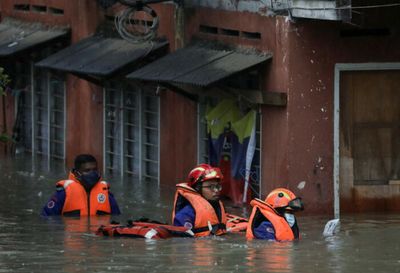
(340, 67)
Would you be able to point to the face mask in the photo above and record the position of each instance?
(90, 179)
(290, 219)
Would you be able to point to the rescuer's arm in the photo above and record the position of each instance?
(185, 217)
(114, 205)
(55, 204)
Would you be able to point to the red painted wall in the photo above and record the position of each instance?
(315, 48)
(49, 17)
(178, 117)
(297, 140)
(178, 146)
(84, 113)
(84, 99)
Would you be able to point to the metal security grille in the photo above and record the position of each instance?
(255, 172)
(40, 118)
(57, 115)
(202, 147)
(48, 114)
(22, 132)
(202, 107)
(131, 145)
(150, 143)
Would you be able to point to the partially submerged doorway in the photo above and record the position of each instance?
(369, 139)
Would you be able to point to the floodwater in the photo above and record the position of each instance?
(30, 243)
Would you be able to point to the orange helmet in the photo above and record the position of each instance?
(285, 199)
(204, 172)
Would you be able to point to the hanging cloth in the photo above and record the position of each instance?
(243, 148)
(219, 120)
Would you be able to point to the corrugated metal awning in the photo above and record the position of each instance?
(198, 65)
(16, 36)
(99, 56)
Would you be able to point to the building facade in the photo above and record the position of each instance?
(325, 92)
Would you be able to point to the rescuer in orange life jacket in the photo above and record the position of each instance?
(82, 193)
(197, 205)
(273, 219)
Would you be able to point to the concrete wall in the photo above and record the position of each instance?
(316, 47)
(297, 140)
(84, 100)
(178, 145)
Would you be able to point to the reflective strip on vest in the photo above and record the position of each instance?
(67, 183)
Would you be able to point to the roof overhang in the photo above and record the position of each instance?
(17, 36)
(96, 58)
(198, 65)
(201, 70)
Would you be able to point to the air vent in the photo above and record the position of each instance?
(40, 9)
(56, 11)
(22, 7)
(229, 32)
(251, 35)
(208, 29)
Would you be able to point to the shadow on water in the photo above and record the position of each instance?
(30, 243)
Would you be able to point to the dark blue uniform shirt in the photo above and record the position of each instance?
(265, 231)
(185, 217)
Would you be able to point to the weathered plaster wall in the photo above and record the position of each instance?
(84, 100)
(178, 146)
(84, 106)
(297, 140)
(316, 47)
(49, 17)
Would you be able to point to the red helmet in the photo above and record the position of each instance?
(284, 198)
(204, 172)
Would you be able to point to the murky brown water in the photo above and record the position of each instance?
(29, 243)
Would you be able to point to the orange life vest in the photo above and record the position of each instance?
(144, 230)
(236, 223)
(77, 200)
(206, 222)
(283, 232)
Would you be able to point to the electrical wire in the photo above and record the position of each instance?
(350, 7)
(134, 30)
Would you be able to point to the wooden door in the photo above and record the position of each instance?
(369, 127)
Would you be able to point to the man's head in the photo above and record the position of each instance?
(206, 180)
(86, 170)
(85, 163)
(211, 189)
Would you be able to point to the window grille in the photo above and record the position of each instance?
(49, 114)
(23, 127)
(40, 118)
(131, 132)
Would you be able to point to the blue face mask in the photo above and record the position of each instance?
(90, 179)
